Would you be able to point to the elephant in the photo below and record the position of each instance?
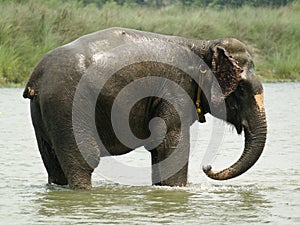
(80, 92)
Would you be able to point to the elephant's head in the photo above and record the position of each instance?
(241, 93)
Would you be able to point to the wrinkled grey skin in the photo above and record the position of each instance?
(53, 84)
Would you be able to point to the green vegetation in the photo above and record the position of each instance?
(28, 29)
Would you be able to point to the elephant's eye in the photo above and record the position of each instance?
(232, 104)
(244, 89)
(234, 107)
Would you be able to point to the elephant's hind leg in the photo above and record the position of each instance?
(54, 170)
(77, 162)
(76, 169)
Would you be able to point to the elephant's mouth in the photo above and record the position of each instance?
(242, 126)
(239, 127)
(237, 124)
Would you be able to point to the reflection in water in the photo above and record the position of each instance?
(123, 204)
(112, 203)
(233, 204)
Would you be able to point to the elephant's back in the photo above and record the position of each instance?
(117, 35)
(59, 72)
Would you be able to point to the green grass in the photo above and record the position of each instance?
(29, 30)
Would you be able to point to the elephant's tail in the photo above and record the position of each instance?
(29, 92)
(32, 86)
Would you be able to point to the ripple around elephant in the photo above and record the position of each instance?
(82, 91)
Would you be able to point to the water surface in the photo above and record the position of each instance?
(268, 193)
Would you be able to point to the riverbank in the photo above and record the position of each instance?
(29, 30)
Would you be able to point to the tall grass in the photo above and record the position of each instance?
(29, 30)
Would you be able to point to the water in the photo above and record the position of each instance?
(267, 193)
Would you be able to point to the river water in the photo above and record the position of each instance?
(268, 193)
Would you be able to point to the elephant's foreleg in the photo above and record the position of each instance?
(170, 159)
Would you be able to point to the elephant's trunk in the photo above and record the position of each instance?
(255, 129)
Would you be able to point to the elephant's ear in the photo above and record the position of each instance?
(227, 73)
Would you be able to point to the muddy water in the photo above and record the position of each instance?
(268, 193)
